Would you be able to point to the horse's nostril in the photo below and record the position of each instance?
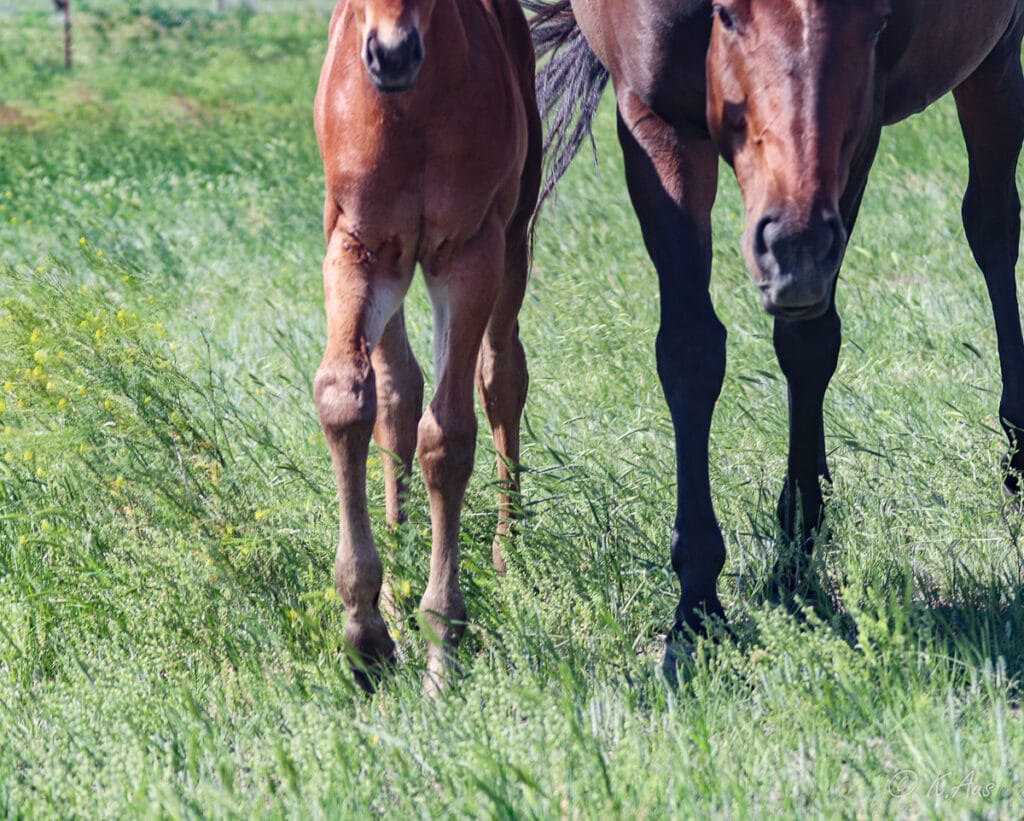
(767, 233)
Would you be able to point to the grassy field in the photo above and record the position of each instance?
(169, 633)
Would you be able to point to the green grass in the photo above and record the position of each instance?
(170, 641)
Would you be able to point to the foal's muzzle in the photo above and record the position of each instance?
(393, 62)
(797, 264)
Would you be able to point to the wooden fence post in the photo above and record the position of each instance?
(67, 35)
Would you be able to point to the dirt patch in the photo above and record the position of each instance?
(12, 118)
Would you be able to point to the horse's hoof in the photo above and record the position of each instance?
(1011, 485)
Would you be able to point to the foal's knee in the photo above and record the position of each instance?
(346, 400)
(446, 450)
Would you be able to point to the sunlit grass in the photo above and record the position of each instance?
(170, 641)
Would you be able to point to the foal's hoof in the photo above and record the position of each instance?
(442, 670)
(371, 653)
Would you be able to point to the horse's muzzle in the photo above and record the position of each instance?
(797, 267)
(394, 62)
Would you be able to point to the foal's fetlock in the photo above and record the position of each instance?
(370, 650)
(443, 632)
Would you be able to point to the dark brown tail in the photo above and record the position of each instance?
(569, 86)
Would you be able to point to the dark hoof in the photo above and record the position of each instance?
(801, 512)
(708, 622)
(1011, 484)
(371, 653)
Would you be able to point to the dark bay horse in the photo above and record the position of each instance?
(428, 128)
(794, 95)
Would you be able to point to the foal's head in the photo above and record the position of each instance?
(392, 34)
(790, 99)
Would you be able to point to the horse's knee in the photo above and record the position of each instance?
(446, 450)
(346, 400)
(808, 350)
(691, 363)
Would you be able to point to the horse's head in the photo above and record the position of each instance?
(790, 98)
(392, 33)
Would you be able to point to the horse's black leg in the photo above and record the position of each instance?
(990, 104)
(808, 351)
(672, 179)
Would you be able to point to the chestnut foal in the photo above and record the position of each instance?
(430, 138)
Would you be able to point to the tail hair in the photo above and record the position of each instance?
(569, 86)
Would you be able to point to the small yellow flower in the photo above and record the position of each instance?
(34, 338)
(8, 457)
(40, 270)
(41, 356)
(3, 406)
(45, 526)
(99, 253)
(62, 404)
(23, 539)
(260, 515)
(107, 404)
(118, 483)
(83, 241)
(229, 529)
(28, 456)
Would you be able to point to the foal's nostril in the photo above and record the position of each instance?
(416, 57)
(393, 62)
(371, 55)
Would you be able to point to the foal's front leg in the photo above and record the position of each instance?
(399, 405)
(360, 299)
(463, 297)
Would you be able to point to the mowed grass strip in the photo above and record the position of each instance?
(170, 640)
